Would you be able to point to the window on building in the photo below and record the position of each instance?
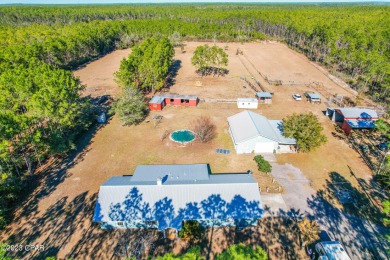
(243, 103)
(120, 223)
(181, 100)
(172, 100)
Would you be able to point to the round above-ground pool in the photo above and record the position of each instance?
(182, 136)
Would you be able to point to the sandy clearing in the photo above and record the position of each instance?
(60, 210)
(97, 76)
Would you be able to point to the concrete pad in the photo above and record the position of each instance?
(272, 204)
(269, 157)
(296, 185)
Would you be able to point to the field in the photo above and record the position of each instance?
(97, 77)
(273, 60)
(65, 197)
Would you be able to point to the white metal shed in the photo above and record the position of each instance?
(247, 103)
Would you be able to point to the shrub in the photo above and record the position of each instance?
(191, 231)
(204, 129)
(192, 254)
(262, 164)
(241, 252)
(3, 252)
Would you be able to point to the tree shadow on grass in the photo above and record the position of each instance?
(52, 226)
(50, 175)
(173, 71)
(344, 211)
(276, 234)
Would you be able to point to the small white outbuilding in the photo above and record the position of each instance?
(247, 103)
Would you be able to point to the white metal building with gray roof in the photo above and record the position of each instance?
(163, 196)
(252, 132)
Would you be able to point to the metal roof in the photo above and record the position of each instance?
(263, 94)
(176, 96)
(360, 124)
(174, 171)
(220, 196)
(277, 125)
(171, 180)
(157, 99)
(239, 100)
(356, 112)
(314, 96)
(248, 125)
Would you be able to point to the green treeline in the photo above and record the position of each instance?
(41, 111)
(147, 67)
(41, 114)
(352, 40)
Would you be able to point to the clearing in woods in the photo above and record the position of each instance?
(60, 217)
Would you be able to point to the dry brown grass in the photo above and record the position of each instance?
(116, 150)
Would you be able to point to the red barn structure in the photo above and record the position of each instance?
(158, 102)
(353, 118)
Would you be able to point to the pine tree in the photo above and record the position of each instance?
(131, 107)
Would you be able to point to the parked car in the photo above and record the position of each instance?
(331, 250)
(297, 97)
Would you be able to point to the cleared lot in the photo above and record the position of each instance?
(58, 213)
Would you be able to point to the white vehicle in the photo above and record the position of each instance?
(331, 250)
(297, 97)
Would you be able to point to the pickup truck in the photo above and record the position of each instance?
(331, 250)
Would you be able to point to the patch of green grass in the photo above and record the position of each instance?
(224, 140)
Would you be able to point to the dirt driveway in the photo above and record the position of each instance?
(359, 237)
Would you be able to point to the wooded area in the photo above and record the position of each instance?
(41, 112)
(353, 40)
(147, 66)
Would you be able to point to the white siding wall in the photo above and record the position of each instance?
(247, 104)
(250, 145)
(284, 149)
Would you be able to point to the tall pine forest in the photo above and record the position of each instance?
(42, 112)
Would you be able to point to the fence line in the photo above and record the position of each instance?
(218, 100)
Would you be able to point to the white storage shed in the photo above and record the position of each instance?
(251, 103)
